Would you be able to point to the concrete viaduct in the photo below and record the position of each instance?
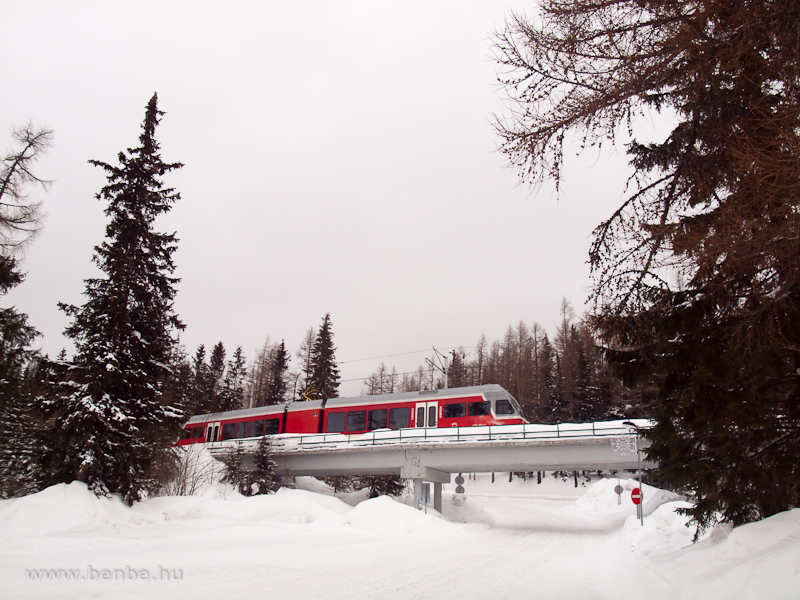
(432, 455)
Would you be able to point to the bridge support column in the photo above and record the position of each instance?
(418, 493)
(437, 496)
(421, 474)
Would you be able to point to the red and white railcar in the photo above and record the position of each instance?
(457, 407)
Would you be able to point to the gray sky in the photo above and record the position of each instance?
(339, 158)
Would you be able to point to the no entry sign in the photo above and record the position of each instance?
(636, 496)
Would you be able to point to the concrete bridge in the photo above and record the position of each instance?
(432, 455)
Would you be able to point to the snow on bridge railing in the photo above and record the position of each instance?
(532, 431)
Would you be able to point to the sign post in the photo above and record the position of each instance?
(637, 496)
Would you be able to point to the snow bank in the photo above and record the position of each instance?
(61, 508)
(757, 560)
(231, 508)
(386, 515)
(309, 544)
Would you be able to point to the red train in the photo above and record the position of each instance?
(457, 407)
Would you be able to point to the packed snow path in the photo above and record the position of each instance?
(507, 540)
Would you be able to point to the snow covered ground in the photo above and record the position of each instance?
(506, 540)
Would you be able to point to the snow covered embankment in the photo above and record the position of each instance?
(307, 544)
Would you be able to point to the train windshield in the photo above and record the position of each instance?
(504, 404)
(503, 407)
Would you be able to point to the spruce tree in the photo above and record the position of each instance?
(18, 442)
(550, 405)
(324, 376)
(233, 468)
(277, 381)
(697, 272)
(200, 395)
(216, 370)
(262, 479)
(111, 424)
(233, 388)
(382, 485)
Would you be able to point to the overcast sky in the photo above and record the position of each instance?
(339, 157)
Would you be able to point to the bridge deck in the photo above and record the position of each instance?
(584, 446)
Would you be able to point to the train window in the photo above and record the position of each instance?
(186, 434)
(398, 418)
(257, 428)
(356, 420)
(478, 409)
(377, 419)
(273, 426)
(336, 422)
(228, 431)
(197, 432)
(453, 411)
(432, 416)
(421, 416)
(503, 407)
(242, 429)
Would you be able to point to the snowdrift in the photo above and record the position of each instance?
(310, 544)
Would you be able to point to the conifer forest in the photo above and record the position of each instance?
(694, 318)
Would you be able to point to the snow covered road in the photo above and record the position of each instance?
(510, 540)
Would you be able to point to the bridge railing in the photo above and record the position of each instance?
(494, 433)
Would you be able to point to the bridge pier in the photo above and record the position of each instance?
(422, 474)
(437, 494)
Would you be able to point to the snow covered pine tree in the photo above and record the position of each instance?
(324, 380)
(112, 426)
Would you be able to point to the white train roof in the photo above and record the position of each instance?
(422, 396)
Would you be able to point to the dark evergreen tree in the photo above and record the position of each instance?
(341, 483)
(234, 471)
(259, 480)
(278, 384)
(200, 383)
(585, 407)
(550, 402)
(111, 424)
(10, 276)
(324, 376)
(19, 441)
(697, 273)
(382, 485)
(233, 387)
(178, 383)
(262, 479)
(216, 378)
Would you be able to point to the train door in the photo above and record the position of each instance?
(427, 413)
(212, 432)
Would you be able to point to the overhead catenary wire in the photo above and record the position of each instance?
(344, 362)
(427, 350)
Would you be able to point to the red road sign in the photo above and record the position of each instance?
(636, 495)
